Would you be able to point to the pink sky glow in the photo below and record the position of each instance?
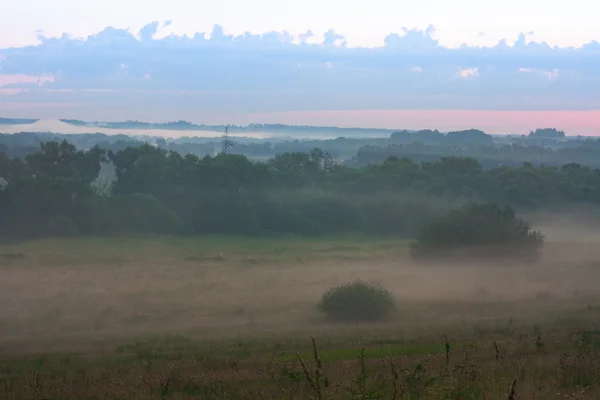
(495, 122)
(572, 122)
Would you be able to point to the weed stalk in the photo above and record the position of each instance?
(315, 382)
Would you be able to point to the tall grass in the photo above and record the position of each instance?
(178, 368)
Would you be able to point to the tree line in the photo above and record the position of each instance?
(62, 190)
(513, 152)
(542, 146)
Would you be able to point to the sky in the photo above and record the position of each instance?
(505, 66)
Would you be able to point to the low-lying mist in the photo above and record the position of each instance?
(66, 293)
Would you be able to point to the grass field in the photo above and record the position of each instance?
(225, 317)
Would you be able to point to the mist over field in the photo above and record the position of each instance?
(318, 200)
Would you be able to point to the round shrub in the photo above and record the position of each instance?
(357, 301)
(479, 231)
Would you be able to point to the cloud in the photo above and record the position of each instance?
(10, 91)
(333, 39)
(412, 39)
(554, 74)
(468, 72)
(278, 71)
(303, 37)
(147, 32)
(23, 80)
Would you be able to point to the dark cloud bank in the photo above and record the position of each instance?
(272, 72)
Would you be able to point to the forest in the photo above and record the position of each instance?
(357, 148)
(62, 190)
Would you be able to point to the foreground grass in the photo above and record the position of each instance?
(550, 364)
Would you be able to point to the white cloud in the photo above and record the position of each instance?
(468, 72)
(551, 74)
(276, 70)
(24, 79)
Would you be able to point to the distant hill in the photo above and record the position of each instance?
(174, 125)
(189, 126)
(74, 122)
(16, 121)
(66, 126)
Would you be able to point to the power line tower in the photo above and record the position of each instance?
(226, 143)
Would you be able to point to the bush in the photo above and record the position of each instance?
(357, 301)
(479, 230)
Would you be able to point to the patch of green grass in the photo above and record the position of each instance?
(201, 249)
(345, 354)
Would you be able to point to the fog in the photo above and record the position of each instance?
(69, 296)
(57, 126)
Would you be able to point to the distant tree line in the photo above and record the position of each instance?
(542, 146)
(513, 154)
(547, 133)
(60, 190)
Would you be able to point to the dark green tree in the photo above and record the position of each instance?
(479, 231)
